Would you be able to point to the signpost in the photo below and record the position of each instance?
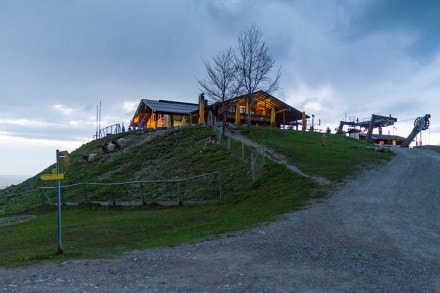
(55, 176)
(60, 247)
(62, 161)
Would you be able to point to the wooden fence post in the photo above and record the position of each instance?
(6, 206)
(85, 193)
(142, 194)
(178, 193)
(242, 150)
(220, 184)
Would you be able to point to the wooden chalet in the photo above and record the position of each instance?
(265, 110)
(162, 113)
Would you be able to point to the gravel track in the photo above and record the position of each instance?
(380, 232)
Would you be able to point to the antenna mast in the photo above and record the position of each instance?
(98, 121)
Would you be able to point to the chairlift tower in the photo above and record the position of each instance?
(421, 123)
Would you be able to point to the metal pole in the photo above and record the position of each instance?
(99, 122)
(97, 117)
(60, 247)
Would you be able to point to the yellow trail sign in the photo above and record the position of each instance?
(52, 176)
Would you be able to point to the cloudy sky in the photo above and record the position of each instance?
(340, 59)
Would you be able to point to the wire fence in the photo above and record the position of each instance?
(254, 157)
(192, 190)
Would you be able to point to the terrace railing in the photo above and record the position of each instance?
(112, 129)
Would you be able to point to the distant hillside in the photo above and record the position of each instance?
(7, 180)
(435, 148)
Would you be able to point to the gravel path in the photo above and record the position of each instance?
(378, 233)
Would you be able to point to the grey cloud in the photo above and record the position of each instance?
(418, 19)
(78, 53)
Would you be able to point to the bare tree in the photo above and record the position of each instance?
(253, 64)
(220, 83)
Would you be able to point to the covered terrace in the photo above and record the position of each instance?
(265, 110)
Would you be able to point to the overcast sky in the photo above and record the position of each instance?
(339, 59)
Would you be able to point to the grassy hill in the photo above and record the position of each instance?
(91, 231)
(148, 155)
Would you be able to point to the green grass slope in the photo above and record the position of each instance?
(90, 231)
(340, 157)
(148, 155)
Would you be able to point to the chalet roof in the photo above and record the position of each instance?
(170, 107)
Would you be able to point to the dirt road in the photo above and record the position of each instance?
(380, 232)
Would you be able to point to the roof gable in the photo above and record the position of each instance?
(267, 100)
